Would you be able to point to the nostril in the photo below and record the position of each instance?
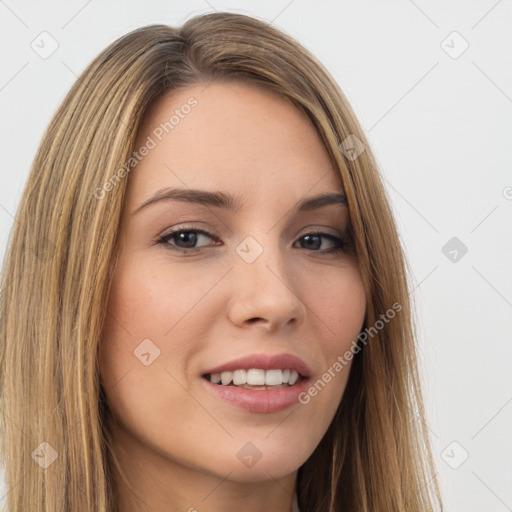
(255, 319)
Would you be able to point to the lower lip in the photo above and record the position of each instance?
(262, 401)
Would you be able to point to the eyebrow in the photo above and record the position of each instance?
(218, 199)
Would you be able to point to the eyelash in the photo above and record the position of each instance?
(342, 243)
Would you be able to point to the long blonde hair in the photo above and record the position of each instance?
(375, 456)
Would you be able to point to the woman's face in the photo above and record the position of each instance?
(237, 282)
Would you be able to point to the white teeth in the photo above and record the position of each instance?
(274, 377)
(239, 377)
(256, 377)
(226, 378)
(293, 377)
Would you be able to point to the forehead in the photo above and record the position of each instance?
(232, 136)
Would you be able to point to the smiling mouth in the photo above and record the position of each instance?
(256, 379)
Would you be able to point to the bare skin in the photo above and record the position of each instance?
(176, 441)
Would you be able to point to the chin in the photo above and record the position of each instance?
(261, 472)
(250, 465)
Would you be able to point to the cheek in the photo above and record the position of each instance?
(143, 306)
(136, 311)
(148, 302)
(338, 305)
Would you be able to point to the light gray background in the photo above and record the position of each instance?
(441, 129)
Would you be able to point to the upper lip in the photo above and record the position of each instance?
(265, 362)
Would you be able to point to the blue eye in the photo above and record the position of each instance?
(184, 240)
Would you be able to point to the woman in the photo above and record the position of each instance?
(171, 337)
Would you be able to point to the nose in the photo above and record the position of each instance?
(266, 292)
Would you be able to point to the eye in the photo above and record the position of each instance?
(185, 240)
(313, 241)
